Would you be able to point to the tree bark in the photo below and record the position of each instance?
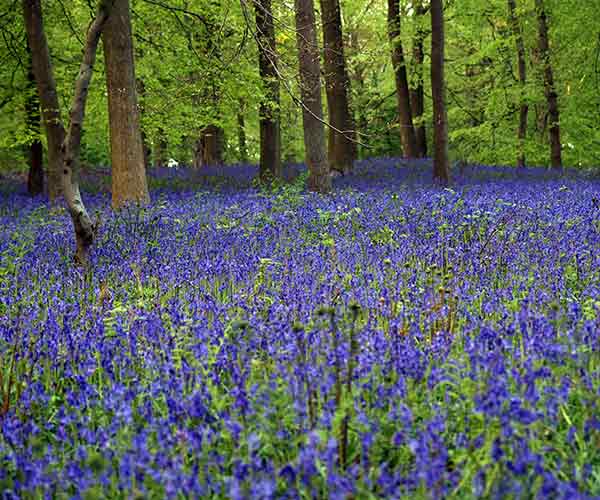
(441, 167)
(310, 91)
(35, 178)
(417, 94)
(549, 87)
(407, 131)
(70, 148)
(210, 146)
(523, 108)
(160, 148)
(129, 182)
(342, 150)
(44, 77)
(198, 160)
(269, 113)
(541, 109)
(85, 231)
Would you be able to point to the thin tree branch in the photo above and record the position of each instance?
(74, 32)
(269, 53)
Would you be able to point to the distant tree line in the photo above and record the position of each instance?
(210, 67)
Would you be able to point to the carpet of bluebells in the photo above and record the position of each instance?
(393, 339)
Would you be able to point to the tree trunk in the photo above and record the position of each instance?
(337, 85)
(269, 113)
(198, 160)
(407, 131)
(44, 77)
(524, 108)
(70, 148)
(35, 178)
(441, 168)
(358, 83)
(160, 148)
(310, 91)
(209, 148)
(550, 89)
(417, 95)
(242, 147)
(129, 182)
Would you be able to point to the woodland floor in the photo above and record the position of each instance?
(390, 339)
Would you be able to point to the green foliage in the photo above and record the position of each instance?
(196, 63)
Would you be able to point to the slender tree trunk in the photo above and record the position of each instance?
(35, 178)
(310, 90)
(407, 131)
(129, 182)
(269, 113)
(523, 108)
(160, 148)
(197, 159)
(549, 87)
(70, 147)
(85, 231)
(44, 77)
(220, 131)
(441, 167)
(358, 82)
(337, 85)
(417, 94)
(541, 109)
(242, 147)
